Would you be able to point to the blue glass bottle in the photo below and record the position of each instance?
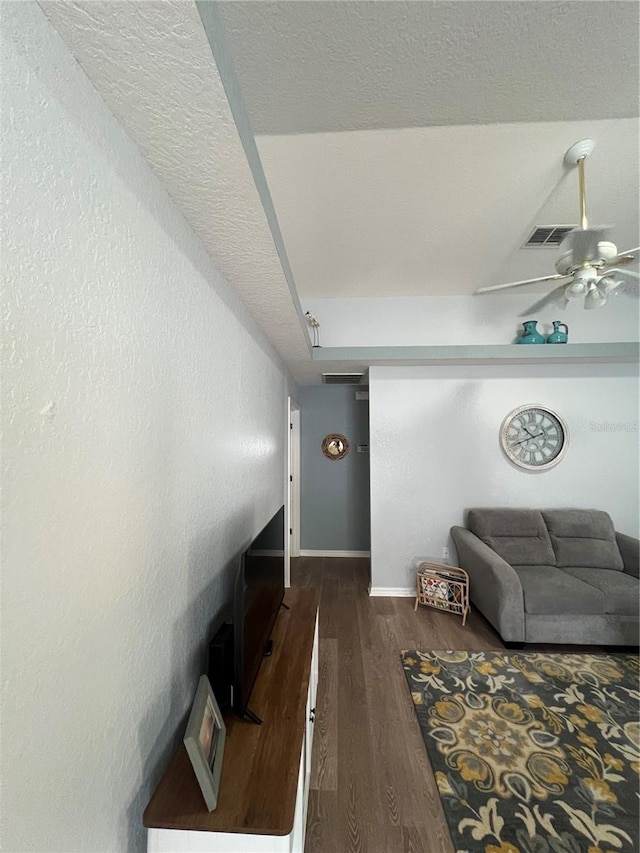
(558, 336)
(530, 334)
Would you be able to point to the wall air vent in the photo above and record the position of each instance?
(341, 378)
(548, 235)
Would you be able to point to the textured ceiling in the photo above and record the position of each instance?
(152, 64)
(305, 67)
(441, 210)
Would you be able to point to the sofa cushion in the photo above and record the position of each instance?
(584, 538)
(519, 536)
(621, 591)
(550, 591)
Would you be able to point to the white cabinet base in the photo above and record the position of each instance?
(195, 841)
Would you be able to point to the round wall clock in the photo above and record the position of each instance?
(534, 437)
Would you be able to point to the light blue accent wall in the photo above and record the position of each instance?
(334, 495)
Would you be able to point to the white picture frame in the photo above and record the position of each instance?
(204, 741)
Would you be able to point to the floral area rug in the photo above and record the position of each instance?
(532, 753)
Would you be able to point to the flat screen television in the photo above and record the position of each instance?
(258, 594)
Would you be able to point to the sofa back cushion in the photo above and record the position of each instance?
(583, 537)
(519, 536)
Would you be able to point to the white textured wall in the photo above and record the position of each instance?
(446, 320)
(144, 440)
(434, 451)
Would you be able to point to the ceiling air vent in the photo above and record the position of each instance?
(549, 235)
(341, 378)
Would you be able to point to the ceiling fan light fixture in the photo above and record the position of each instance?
(607, 284)
(576, 289)
(595, 298)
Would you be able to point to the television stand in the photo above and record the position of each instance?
(249, 715)
(266, 770)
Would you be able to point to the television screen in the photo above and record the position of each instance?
(258, 596)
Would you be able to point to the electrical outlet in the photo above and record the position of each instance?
(445, 553)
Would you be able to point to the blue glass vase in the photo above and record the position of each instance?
(530, 334)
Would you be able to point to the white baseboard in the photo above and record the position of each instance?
(394, 591)
(335, 553)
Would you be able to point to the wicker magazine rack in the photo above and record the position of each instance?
(443, 587)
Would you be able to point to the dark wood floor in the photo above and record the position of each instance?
(372, 788)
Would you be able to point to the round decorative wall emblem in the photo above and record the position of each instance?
(335, 446)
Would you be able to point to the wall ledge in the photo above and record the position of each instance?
(481, 354)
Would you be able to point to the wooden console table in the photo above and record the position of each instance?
(262, 803)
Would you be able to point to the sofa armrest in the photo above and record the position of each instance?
(630, 551)
(494, 585)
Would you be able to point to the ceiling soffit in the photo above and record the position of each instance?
(172, 103)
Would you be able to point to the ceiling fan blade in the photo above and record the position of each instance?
(493, 287)
(556, 298)
(584, 242)
(627, 257)
(626, 288)
(630, 273)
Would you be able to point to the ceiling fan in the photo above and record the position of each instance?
(589, 263)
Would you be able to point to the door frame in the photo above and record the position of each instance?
(292, 522)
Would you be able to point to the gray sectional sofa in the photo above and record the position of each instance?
(552, 576)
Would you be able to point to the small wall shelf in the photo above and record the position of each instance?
(482, 354)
